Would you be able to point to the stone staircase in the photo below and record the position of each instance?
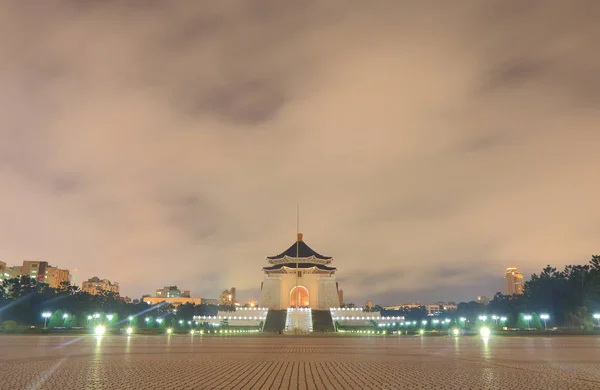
(275, 321)
(299, 320)
(322, 321)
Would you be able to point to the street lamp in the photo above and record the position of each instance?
(495, 318)
(46, 315)
(65, 316)
(597, 316)
(483, 318)
(527, 318)
(544, 317)
(109, 317)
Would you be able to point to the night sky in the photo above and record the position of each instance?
(430, 146)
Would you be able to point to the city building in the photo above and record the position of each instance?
(299, 277)
(41, 271)
(175, 301)
(513, 282)
(341, 297)
(3, 271)
(55, 277)
(227, 297)
(369, 305)
(96, 285)
(483, 300)
(172, 292)
(210, 301)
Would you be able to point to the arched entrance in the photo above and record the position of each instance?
(301, 294)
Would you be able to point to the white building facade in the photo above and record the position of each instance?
(299, 277)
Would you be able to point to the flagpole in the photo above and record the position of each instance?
(297, 255)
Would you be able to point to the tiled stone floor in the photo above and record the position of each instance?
(284, 362)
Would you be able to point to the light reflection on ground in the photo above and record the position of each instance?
(281, 362)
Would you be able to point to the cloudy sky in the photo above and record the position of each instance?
(430, 145)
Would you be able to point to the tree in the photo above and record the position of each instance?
(56, 320)
(70, 321)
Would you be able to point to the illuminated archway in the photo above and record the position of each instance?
(302, 295)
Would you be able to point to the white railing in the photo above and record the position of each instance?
(299, 319)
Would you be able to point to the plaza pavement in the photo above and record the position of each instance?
(287, 362)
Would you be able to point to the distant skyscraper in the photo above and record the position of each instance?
(41, 271)
(96, 285)
(227, 297)
(3, 271)
(513, 282)
(171, 292)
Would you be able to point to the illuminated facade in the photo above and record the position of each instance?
(96, 285)
(3, 271)
(227, 297)
(299, 277)
(513, 282)
(172, 292)
(40, 271)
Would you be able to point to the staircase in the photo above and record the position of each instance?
(299, 319)
(322, 321)
(275, 322)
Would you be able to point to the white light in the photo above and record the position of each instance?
(130, 318)
(99, 331)
(424, 322)
(129, 330)
(485, 332)
(463, 319)
(109, 317)
(483, 318)
(527, 317)
(65, 315)
(46, 314)
(494, 317)
(455, 332)
(597, 316)
(169, 331)
(544, 316)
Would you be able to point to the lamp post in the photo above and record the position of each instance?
(597, 317)
(527, 318)
(495, 318)
(46, 315)
(545, 317)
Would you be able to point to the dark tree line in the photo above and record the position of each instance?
(569, 297)
(24, 300)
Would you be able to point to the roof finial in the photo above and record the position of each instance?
(299, 237)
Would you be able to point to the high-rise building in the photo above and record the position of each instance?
(341, 297)
(56, 277)
(513, 282)
(227, 297)
(483, 300)
(3, 273)
(171, 292)
(41, 271)
(96, 285)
